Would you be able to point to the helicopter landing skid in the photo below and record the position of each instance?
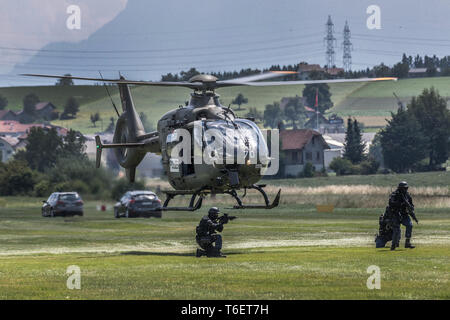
(195, 204)
(266, 205)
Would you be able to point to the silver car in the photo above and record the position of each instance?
(62, 204)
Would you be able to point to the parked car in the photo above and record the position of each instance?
(139, 203)
(62, 203)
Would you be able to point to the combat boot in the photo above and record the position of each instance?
(200, 253)
(408, 244)
(393, 246)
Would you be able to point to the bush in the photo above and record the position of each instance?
(73, 185)
(81, 175)
(16, 178)
(342, 166)
(122, 185)
(43, 188)
(369, 166)
(308, 171)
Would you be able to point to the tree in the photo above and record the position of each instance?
(111, 125)
(382, 70)
(375, 150)
(295, 112)
(29, 104)
(273, 115)
(186, 75)
(3, 102)
(430, 111)
(354, 145)
(148, 126)
(400, 70)
(254, 113)
(74, 145)
(71, 108)
(402, 141)
(94, 118)
(64, 81)
(42, 150)
(239, 100)
(323, 96)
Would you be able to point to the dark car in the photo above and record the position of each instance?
(138, 204)
(62, 204)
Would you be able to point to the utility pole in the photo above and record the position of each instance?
(348, 47)
(330, 41)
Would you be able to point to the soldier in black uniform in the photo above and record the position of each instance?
(402, 206)
(207, 233)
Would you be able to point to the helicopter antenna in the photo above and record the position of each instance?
(112, 101)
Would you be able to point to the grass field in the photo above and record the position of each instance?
(291, 252)
(370, 103)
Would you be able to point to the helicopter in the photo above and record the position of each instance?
(186, 126)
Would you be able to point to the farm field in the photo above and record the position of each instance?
(370, 103)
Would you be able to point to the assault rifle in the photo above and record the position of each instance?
(410, 209)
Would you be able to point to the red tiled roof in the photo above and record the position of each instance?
(309, 67)
(12, 126)
(296, 139)
(334, 71)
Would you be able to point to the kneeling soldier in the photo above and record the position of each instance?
(207, 233)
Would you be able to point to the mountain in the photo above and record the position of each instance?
(150, 38)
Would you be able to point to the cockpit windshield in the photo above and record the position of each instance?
(237, 142)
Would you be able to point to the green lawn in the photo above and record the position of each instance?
(419, 179)
(291, 252)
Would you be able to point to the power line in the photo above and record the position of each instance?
(277, 47)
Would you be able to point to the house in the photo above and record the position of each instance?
(420, 72)
(43, 110)
(334, 71)
(13, 136)
(8, 115)
(333, 124)
(305, 70)
(316, 122)
(46, 110)
(16, 129)
(300, 147)
(367, 138)
(7, 147)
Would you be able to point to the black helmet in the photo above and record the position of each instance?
(213, 213)
(403, 185)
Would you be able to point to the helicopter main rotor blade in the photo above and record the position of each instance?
(220, 84)
(191, 85)
(258, 77)
(302, 82)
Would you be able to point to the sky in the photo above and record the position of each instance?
(146, 38)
